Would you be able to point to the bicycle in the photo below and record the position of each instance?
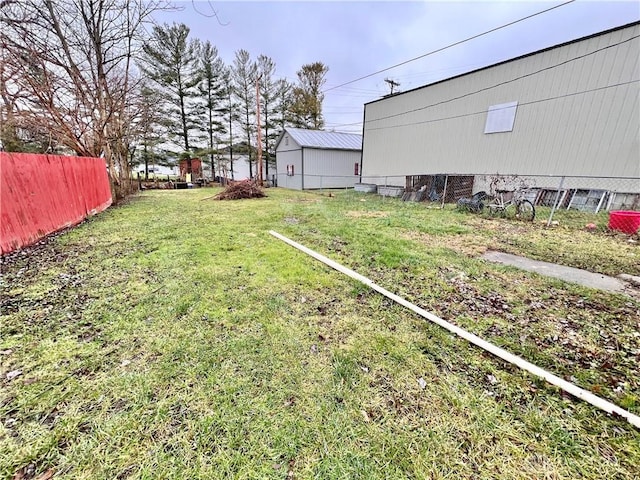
(514, 206)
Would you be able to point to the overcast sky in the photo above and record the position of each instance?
(359, 37)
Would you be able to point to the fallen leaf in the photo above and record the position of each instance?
(25, 472)
(422, 382)
(365, 415)
(492, 380)
(125, 363)
(46, 475)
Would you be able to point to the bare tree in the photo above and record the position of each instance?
(76, 80)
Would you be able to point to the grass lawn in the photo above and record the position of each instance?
(173, 337)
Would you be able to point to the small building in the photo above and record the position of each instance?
(564, 118)
(313, 159)
(196, 168)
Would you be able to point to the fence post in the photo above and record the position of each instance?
(444, 192)
(555, 203)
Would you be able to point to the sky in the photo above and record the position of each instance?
(356, 38)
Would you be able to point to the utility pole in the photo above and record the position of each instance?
(230, 130)
(392, 83)
(259, 149)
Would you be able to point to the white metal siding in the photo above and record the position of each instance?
(330, 168)
(594, 133)
(289, 157)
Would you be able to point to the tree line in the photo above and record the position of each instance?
(98, 78)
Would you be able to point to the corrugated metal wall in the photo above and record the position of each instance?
(289, 157)
(40, 194)
(323, 168)
(330, 168)
(570, 119)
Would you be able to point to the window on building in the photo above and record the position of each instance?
(290, 170)
(356, 168)
(500, 118)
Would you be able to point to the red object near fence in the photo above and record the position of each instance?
(41, 194)
(626, 221)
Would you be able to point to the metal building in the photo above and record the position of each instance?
(311, 159)
(568, 110)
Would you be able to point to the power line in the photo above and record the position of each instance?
(357, 95)
(462, 115)
(573, 59)
(459, 42)
(346, 124)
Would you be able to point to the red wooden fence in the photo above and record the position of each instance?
(40, 194)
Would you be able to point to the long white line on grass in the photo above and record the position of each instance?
(470, 337)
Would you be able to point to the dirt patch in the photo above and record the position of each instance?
(302, 199)
(357, 214)
(469, 246)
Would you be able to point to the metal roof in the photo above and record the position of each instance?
(322, 139)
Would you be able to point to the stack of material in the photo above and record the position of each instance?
(240, 190)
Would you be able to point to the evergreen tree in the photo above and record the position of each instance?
(171, 60)
(268, 100)
(212, 90)
(230, 113)
(306, 108)
(148, 128)
(243, 76)
(284, 100)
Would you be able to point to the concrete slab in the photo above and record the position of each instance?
(568, 274)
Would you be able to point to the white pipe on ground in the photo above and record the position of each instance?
(470, 337)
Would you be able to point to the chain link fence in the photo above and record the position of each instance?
(616, 199)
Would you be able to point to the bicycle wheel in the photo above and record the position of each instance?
(526, 211)
(493, 208)
(510, 211)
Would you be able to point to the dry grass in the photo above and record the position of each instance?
(357, 214)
